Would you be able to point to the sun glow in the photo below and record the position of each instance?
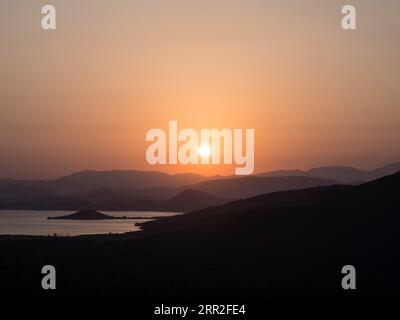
(204, 151)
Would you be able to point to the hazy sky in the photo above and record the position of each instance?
(83, 96)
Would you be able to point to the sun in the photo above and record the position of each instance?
(204, 151)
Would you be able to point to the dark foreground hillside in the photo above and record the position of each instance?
(277, 246)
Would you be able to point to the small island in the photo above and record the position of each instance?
(95, 215)
(84, 215)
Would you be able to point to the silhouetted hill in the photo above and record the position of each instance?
(381, 192)
(293, 244)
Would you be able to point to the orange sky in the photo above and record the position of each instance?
(83, 96)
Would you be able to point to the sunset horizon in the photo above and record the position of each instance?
(226, 171)
(310, 104)
(199, 158)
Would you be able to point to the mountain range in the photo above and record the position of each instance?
(157, 191)
(185, 198)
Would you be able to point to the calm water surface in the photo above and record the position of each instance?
(25, 222)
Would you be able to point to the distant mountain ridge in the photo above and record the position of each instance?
(339, 173)
(124, 179)
(88, 180)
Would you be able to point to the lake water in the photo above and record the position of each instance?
(25, 222)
